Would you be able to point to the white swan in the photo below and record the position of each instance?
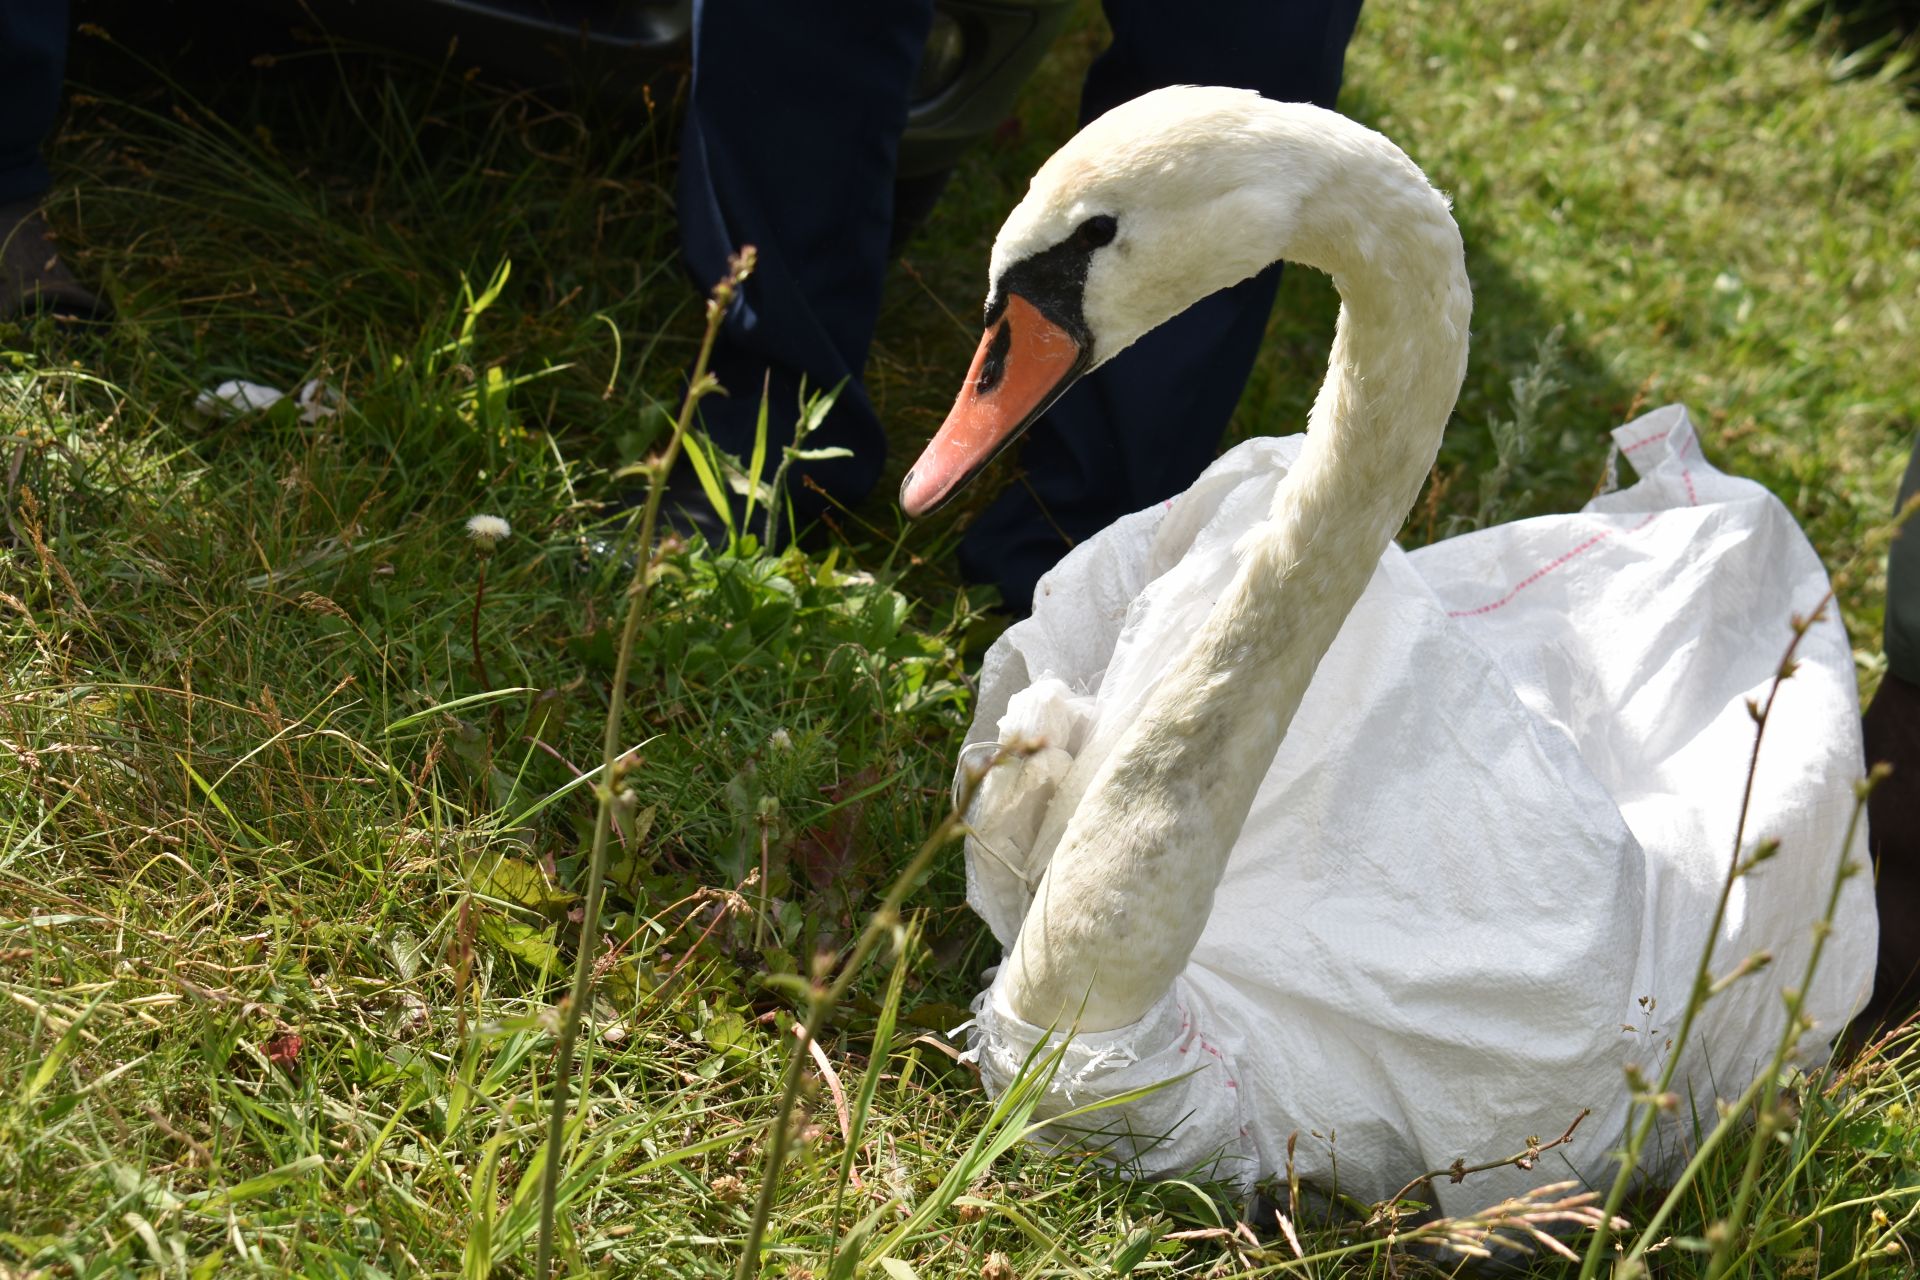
(1380, 854)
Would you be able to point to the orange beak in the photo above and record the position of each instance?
(1024, 362)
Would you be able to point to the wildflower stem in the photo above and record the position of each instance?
(1524, 1159)
(1708, 1145)
(698, 385)
(820, 1006)
(1641, 1127)
(1718, 1264)
(480, 658)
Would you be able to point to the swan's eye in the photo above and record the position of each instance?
(1096, 231)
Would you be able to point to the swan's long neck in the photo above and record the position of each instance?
(1131, 884)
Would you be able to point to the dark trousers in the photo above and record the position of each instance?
(1903, 583)
(1892, 728)
(790, 143)
(33, 61)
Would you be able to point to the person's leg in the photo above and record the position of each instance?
(33, 59)
(33, 62)
(792, 133)
(1288, 50)
(1892, 726)
(1141, 428)
(1903, 583)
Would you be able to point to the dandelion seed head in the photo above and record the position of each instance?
(487, 530)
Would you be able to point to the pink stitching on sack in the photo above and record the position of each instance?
(1231, 1082)
(1550, 566)
(1532, 578)
(1686, 473)
(1693, 500)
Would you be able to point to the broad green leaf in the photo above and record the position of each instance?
(523, 942)
(728, 1032)
(521, 883)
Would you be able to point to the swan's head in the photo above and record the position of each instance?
(1155, 205)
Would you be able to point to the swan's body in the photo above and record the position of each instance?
(1385, 854)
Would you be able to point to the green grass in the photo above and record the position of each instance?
(247, 791)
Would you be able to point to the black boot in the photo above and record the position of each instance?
(33, 280)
